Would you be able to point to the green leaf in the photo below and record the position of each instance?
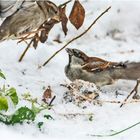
(21, 115)
(40, 124)
(91, 118)
(2, 75)
(13, 95)
(3, 103)
(48, 117)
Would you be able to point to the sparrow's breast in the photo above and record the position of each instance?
(76, 72)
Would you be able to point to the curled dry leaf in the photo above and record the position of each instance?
(35, 41)
(47, 94)
(64, 19)
(77, 14)
(47, 26)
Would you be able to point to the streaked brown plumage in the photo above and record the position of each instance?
(97, 70)
(28, 18)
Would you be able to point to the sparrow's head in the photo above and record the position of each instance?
(76, 56)
(50, 9)
(53, 10)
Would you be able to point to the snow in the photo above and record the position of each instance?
(122, 25)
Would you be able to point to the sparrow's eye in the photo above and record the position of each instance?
(55, 11)
(52, 8)
(77, 53)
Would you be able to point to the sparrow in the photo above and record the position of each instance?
(97, 70)
(29, 16)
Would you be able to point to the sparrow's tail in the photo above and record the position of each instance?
(130, 71)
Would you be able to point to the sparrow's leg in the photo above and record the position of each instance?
(135, 91)
(136, 96)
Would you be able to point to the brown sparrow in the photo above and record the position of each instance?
(30, 15)
(97, 70)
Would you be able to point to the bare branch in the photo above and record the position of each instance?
(23, 54)
(77, 37)
(64, 4)
(134, 91)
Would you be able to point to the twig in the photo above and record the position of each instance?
(77, 37)
(52, 101)
(72, 115)
(23, 54)
(118, 132)
(61, 5)
(135, 91)
(118, 102)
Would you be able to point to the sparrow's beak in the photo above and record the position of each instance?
(69, 51)
(57, 18)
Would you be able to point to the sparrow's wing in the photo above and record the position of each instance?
(99, 65)
(95, 66)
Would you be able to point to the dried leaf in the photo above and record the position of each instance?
(77, 14)
(47, 94)
(47, 26)
(64, 19)
(35, 41)
(43, 36)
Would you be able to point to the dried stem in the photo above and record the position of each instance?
(77, 37)
(26, 49)
(118, 102)
(61, 5)
(52, 101)
(67, 115)
(118, 132)
(134, 91)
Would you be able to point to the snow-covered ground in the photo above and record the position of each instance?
(115, 37)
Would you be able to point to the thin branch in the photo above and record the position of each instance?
(61, 5)
(118, 102)
(26, 49)
(72, 115)
(118, 132)
(77, 37)
(134, 91)
(50, 104)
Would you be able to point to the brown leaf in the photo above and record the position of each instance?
(64, 19)
(47, 94)
(35, 41)
(47, 26)
(77, 14)
(43, 36)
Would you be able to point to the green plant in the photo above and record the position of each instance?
(4, 94)
(22, 114)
